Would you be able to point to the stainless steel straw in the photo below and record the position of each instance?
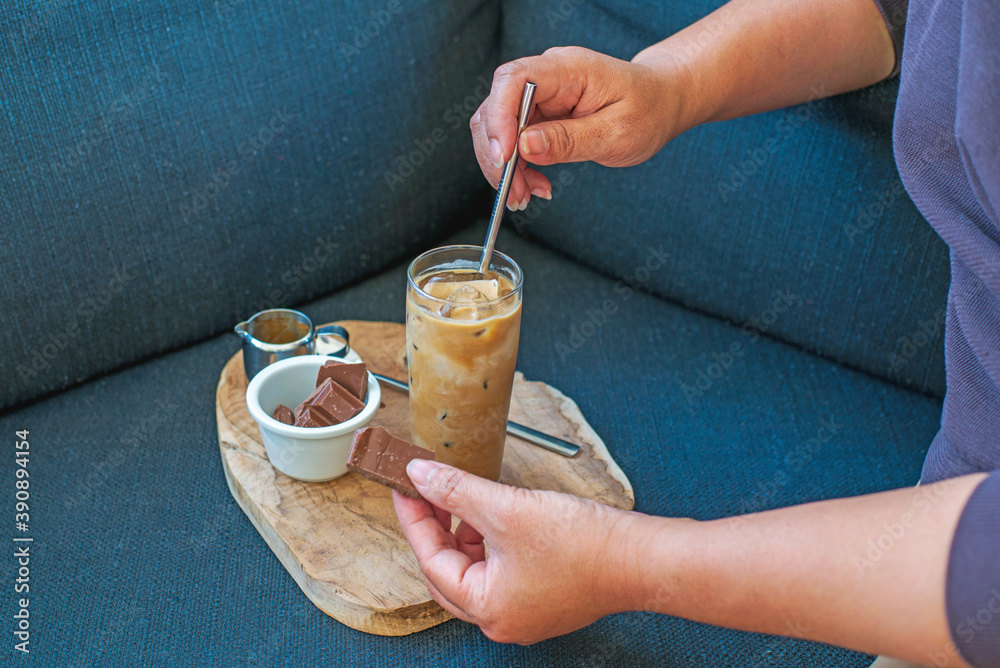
(504, 187)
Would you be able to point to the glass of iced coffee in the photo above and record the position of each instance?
(462, 330)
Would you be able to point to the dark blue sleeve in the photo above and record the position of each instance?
(894, 13)
(973, 584)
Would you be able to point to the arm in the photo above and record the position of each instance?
(866, 573)
(755, 55)
(746, 57)
(558, 563)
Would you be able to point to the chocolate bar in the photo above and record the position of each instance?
(331, 402)
(352, 377)
(284, 414)
(378, 455)
(311, 416)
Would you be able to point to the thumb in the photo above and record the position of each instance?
(464, 495)
(568, 140)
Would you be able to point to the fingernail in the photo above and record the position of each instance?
(419, 470)
(513, 205)
(539, 192)
(524, 204)
(533, 142)
(497, 153)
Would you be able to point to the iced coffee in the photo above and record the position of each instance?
(462, 330)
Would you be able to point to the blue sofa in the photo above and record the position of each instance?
(737, 318)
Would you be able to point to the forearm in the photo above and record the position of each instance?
(866, 573)
(754, 55)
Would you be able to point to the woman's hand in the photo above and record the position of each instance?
(556, 562)
(746, 57)
(588, 106)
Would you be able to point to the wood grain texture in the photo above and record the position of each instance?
(340, 540)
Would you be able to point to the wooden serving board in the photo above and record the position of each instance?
(340, 540)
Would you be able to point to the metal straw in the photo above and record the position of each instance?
(504, 188)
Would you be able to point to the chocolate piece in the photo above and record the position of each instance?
(351, 377)
(378, 455)
(334, 403)
(311, 416)
(284, 414)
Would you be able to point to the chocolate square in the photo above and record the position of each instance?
(378, 455)
(284, 414)
(311, 416)
(352, 377)
(332, 402)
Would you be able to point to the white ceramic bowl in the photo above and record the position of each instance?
(310, 454)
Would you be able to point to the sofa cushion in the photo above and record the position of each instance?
(145, 558)
(804, 202)
(170, 168)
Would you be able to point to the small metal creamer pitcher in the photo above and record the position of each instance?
(280, 333)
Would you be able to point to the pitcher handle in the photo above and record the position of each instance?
(337, 332)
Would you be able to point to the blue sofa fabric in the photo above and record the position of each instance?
(145, 559)
(760, 301)
(173, 168)
(804, 201)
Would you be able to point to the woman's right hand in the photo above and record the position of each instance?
(556, 562)
(588, 106)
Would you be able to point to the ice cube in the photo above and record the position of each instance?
(443, 283)
(467, 303)
(490, 288)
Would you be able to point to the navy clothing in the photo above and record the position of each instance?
(973, 590)
(946, 139)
